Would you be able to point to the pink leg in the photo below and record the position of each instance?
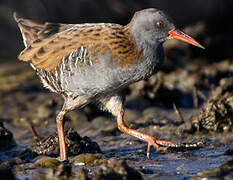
(158, 144)
(61, 135)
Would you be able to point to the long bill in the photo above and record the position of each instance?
(177, 34)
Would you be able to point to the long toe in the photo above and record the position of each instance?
(186, 147)
(168, 146)
(162, 143)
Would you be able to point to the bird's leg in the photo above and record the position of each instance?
(61, 135)
(158, 144)
(115, 105)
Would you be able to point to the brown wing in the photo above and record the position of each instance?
(47, 50)
(48, 53)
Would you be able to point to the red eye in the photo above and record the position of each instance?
(159, 24)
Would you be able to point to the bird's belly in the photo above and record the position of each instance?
(101, 79)
(94, 81)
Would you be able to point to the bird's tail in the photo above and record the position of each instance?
(33, 31)
(29, 29)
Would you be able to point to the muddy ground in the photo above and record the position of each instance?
(190, 101)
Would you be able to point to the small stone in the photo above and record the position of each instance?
(47, 162)
(86, 159)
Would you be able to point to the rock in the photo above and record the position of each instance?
(116, 170)
(225, 85)
(217, 112)
(216, 116)
(47, 162)
(87, 159)
(8, 164)
(74, 142)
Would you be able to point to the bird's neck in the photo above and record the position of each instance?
(151, 50)
(141, 40)
(151, 59)
(153, 56)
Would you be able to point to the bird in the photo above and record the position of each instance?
(93, 62)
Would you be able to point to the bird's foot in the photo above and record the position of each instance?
(168, 146)
(63, 160)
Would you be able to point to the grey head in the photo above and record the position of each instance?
(150, 26)
(153, 27)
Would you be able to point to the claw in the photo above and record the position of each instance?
(148, 151)
(160, 145)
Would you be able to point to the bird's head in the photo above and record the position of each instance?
(153, 26)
